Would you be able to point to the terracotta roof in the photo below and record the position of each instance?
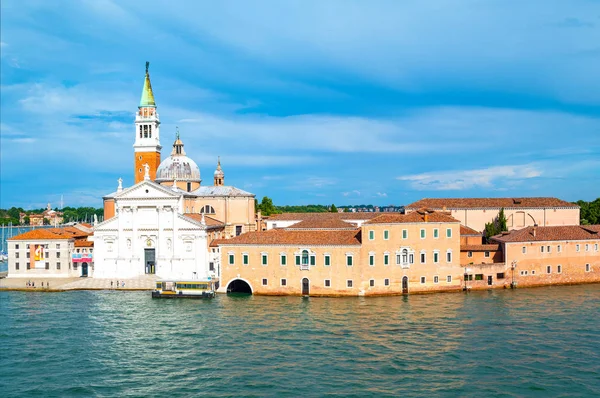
(414, 217)
(210, 221)
(40, 234)
(563, 232)
(322, 223)
(216, 242)
(464, 230)
(288, 237)
(71, 231)
(312, 216)
(83, 243)
(495, 203)
(480, 248)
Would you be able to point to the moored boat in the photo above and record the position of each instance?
(184, 289)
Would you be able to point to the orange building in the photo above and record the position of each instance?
(519, 212)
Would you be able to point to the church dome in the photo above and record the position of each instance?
(178, 166)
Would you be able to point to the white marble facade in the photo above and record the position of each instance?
(150, 235)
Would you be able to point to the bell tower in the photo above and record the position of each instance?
(147, 134)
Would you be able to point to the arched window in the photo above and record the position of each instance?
(140, 131)
(404, 256)
(304, 257)
(207, 209)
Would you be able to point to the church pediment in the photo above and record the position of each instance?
(147, 190)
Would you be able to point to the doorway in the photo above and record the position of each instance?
(150, 261)
(305, 287)
(405, 285)
(84, 270)
(489, 280)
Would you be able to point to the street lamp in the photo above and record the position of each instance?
(513, 266)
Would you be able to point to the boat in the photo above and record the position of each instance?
(196, 289)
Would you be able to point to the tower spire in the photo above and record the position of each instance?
(147, 94)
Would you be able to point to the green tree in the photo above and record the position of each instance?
(267, 207)
(26, 220)
(333, 209)
(497, 226)
(502, 221)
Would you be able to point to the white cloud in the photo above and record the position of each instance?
(354, 192)
(466, 179)
(381, 194)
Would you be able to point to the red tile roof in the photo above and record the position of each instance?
(540, 234)
(464, 230)
(289, 237)
(414, 217)
(489, 203)
(480, 248)
(322, 223)
(40, 234)
(83, 243)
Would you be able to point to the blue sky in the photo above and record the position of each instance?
(344, 102)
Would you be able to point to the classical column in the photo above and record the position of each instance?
(134, 210)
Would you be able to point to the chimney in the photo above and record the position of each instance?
(534, 230)
(426, 217)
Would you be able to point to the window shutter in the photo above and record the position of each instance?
(312, 260)
(297, 260)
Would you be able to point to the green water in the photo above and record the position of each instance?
(530, 342)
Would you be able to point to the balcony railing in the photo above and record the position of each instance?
(304, 267)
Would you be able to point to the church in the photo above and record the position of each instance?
(164, 223)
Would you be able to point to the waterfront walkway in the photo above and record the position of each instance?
(145, 282)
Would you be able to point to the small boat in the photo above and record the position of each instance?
(184, 289)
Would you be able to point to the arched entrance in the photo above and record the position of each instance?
(239, 286)
(84, 270)
(405, 285)
(305, 287)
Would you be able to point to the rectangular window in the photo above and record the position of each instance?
(47, 254)
(386, 259)
(422, 233)
(284, 282)
(28, 265)
(548, 249)
(283, 259)
(542, 248)
(500, 275)
(587, 268)
(596, 247)
(587, 247)
(559, 269)
(211, 266)
(313, 260)
(327, 282)
(478, 277)
(371, 235)
(371, 260)
(405, 234)
(245, 259)
(372, 282)
(297, 260)
(533, 272)
(16, 266)
(57, 254)
(57, 265)
(448, 232)
(449, 278)
(386, 235)
(548, 269)
(422, 279)
(486, 254)
(386, 282)
(264, 259)
(264, 282)
(436, 279)
(576, 248)
(436, 257)
(449, 257)
(27, 254)
(423, 258)
(469, 254)
(17, 255)
(349, 261)
(58, 245)
(436, 233)
(16, 247)
(469, 277)
(231, 259)
(558, 248)
(398, 259)
(47, 265)
(524, 249)
(349, 283)
(327, 260)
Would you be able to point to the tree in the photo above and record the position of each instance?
(26, 220)
(502, 221)
(46, 221)
(497, 226)
(267, 207)
(334, 209)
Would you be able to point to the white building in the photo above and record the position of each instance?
(150, 235)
